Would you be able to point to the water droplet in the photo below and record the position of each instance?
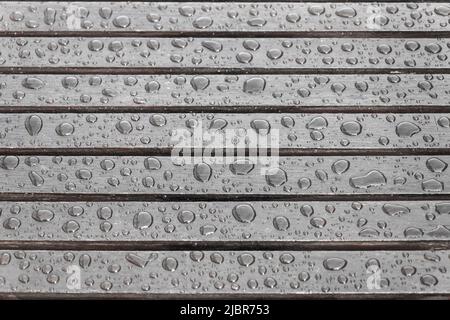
(213, 46)
(241, 167)
(170, 264)
(276, 177)
(432, 185)
(36, 179)
(124, 127)
(281, 223)
(65, 129)
(317, 123)
(9, 162)
(244, 213)
(406, 129)
(33, 83)
(334, 264)
(71, 226)
(395, 210)
(137, 260)
(202, 172)
(340, 166)
(33, 124)
(43, 215)
(428, 280)
(142, 220)
(346, 12)
(246, 259)
(351, 128)
(12, 224)
(122, 21)
(436, 165)
(199, 83)
(69, 82)
(262, 127)
(202, 22)
(254, 85)
(373, 178)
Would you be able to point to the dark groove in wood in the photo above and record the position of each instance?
(221, 109)
(74, 197)
(202, 70)
(231, 34)
(246, 152)
(226, 245)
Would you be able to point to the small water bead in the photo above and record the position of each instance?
(246, 259)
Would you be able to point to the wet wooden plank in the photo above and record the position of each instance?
(197, 175)
(224, 131)
(270, 54)
(277, 273)
(201, 17)
(209, 91)
(223, 224)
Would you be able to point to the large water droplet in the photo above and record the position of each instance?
(373, 178)
(334, 264)
(202, 172)
(244, 213)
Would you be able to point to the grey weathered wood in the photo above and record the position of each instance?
(211, 91)
(278, 273)
(187, 175)
(299, 131)
(202, 17)
(238, 223)
(224, 53)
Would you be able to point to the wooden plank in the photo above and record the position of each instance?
(210, 91)
(223, 224)
(201, 17)
(180, 273)
(269, 54)
(297, 131)
(186, 175)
